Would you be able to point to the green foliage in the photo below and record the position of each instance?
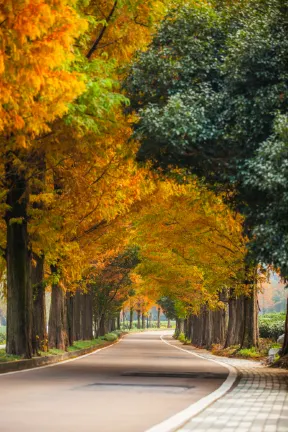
(271, 325)
(7, 357)
(2, 338)
(181, 337)
(249, 353)
(82, 344)
(168, 307)
(113, 336)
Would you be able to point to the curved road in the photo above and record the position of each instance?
(128, 387)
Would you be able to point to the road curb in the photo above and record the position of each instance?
(175, 422)
(40, 362)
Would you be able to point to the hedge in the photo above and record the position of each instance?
(271, 325)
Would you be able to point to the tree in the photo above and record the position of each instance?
(29, 60)
(111, 288)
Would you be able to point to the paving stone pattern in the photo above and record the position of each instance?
(258, 403)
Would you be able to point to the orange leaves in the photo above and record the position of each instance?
(35, 51)
(191, 245)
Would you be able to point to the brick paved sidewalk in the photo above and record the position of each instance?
(258, 403)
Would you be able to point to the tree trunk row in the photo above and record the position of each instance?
(237, 326)
(70, 319)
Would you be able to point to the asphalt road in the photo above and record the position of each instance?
(128, 387)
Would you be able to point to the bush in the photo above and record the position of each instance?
(176, 334)
(182, 337)
(249, 353)
(111, 337)
(2, 338)
(271, 325)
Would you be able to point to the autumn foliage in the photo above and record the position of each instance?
(81, 219)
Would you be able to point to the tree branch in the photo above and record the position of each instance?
(101, 34)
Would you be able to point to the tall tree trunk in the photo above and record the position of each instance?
(40, 337)
(208, 329)
(185, 326)
(86, 316)
(158, 317)
(143, 321)
(198, 328)
(102, 326)
(188, 327)
(235, 320)
(218, 326)
(77, 316)
(18, 256)
(181, 325)
(138, 319)
(131, 318)
(168, 323)
(70, 307)
(250, 335)
(284, 350)
(58, 317)
(112, 326)
(119, 321)
(39, 331)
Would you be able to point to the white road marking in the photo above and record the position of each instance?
(175, 422)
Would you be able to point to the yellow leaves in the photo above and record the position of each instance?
(21, 141)
(191, 244)
(35, 51)
(18, 122)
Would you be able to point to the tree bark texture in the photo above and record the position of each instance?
(143, 321)
(138, 319)
(86, 316)
(218, 326)
(235, 320)
(77, 316)
(18, 256)
(250, 335)
(158, 317)
(131, 318)
(70, 307)
(57, 337)
(119, 321)
(40, 337)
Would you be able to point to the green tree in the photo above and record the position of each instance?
(219, 85)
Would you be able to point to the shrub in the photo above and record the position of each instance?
(111, 337)
(176, 334)
(2, 338)
(181, 337)
(271, 325)
(249, 353)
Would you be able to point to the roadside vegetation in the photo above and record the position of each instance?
(77, 345)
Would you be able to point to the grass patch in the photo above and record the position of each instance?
(51, 352)
(253, 353)
(249, 353)
(7, 357)
(82, 344)
(77, 345)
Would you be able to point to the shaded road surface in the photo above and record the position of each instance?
(128, 387)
